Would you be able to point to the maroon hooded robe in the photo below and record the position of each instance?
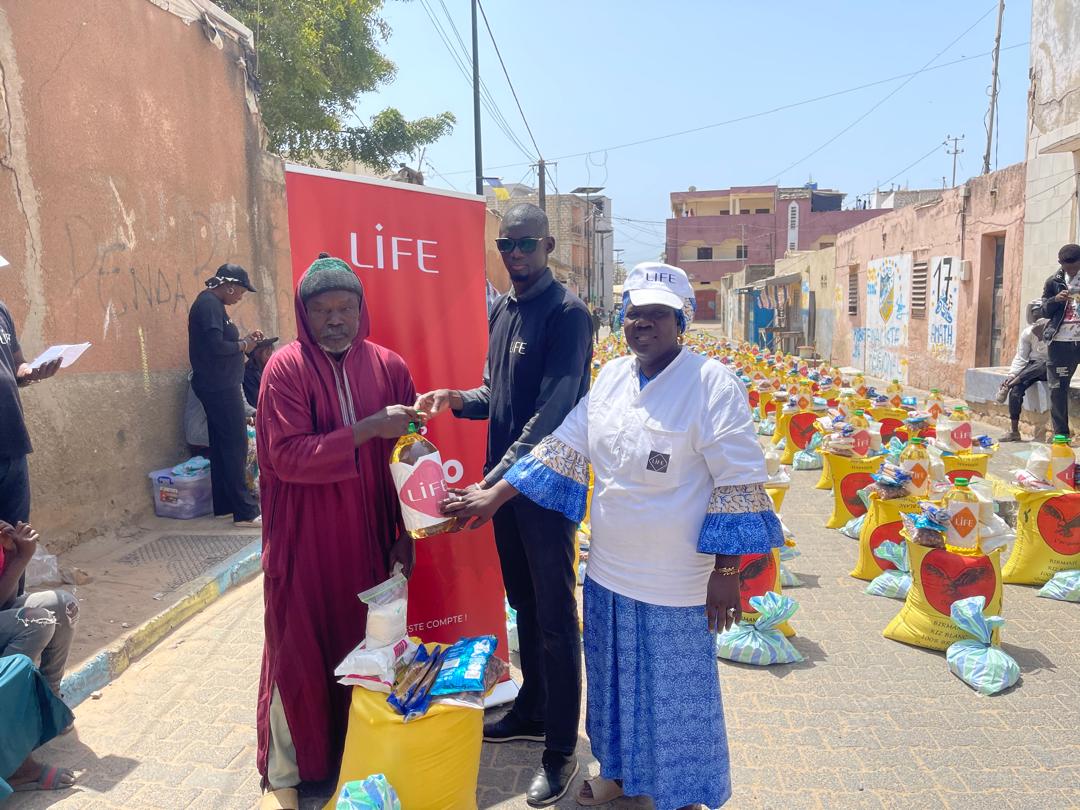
(330, 516)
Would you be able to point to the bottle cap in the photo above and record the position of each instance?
(1059, 439)
(860, 412)
(917, 441)
(961, 482)
(413, 427)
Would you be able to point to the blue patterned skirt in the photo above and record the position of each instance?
(655, 718)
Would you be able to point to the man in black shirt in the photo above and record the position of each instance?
(538, 367)
(14, 439)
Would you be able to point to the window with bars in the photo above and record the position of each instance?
(793, 216)
(741, 252)
(853, 291)
(919, 278)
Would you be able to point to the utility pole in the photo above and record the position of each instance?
(956, 150)
(993, 90)
(476, 105)
(543, 185)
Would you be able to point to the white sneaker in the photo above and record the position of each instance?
(254, 523)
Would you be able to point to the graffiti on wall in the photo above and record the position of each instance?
(880, 347)
(942, 305)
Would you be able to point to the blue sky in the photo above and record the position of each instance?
(594, 74)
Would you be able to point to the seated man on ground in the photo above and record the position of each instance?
(41, 625)
(34, 629)
(1028, 367)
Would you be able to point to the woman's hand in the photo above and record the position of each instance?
(477, 504)
(723, 604)
(1062, 296)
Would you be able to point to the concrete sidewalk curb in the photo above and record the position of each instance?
(104, 667)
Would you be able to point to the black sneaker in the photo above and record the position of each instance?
(552, 780)
(510, 729)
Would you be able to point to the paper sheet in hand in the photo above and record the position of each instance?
(69, 352)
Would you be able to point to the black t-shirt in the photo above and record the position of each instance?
(14, 440)
(213, 346)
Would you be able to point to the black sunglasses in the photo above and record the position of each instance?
(527, 244)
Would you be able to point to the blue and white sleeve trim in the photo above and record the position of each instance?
(554, 476)
(740, 520)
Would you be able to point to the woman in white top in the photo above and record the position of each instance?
(679, 496)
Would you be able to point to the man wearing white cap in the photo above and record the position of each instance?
(678, 498)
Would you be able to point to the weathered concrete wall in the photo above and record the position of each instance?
(133, 169)
(1053, 148)
(818, 269)
(962, 224)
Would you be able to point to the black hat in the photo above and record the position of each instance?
(230, 274)
(1069, 254)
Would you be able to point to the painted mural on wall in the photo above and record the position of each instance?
(880, 347)
(942, 303)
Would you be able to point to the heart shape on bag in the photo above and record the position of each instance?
(961, 436)
(424, 488)
(947, 577)
(860, 442)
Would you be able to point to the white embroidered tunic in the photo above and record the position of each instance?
(678, 473)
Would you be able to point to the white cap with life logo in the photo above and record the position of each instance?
(657, 283)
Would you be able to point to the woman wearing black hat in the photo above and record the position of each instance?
(217, 363)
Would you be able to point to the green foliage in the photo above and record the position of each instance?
(315, 58)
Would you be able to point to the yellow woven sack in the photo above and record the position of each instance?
(432, 762)
(882, 523)
(799, 430)
(892, 420)
(782, 420)
(825, 481)
(849, 475)
(966, 465)
(938, 578)
(1047, 537)
(759, 574)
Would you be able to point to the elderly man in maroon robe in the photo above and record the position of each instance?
(331, 406)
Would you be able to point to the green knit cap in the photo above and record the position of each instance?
(328, 274)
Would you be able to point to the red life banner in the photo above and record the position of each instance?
(419, 253)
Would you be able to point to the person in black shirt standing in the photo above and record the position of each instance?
(538, 367)
(14, 438)
(217, 364)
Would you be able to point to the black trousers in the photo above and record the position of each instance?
(227, 430)
(1064, 358)
(536, 552)
(1029, 375)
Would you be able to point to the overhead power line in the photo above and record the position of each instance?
(506, 73)
(888, 95)
(763, 113)
(462, 60)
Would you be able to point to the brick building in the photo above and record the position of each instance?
(714, 233)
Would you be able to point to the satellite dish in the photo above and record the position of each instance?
(692, 189)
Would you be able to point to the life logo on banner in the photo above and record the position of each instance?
(419, 253)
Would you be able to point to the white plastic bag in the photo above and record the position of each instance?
(388, 604)
(44, 569)
(374, 668)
